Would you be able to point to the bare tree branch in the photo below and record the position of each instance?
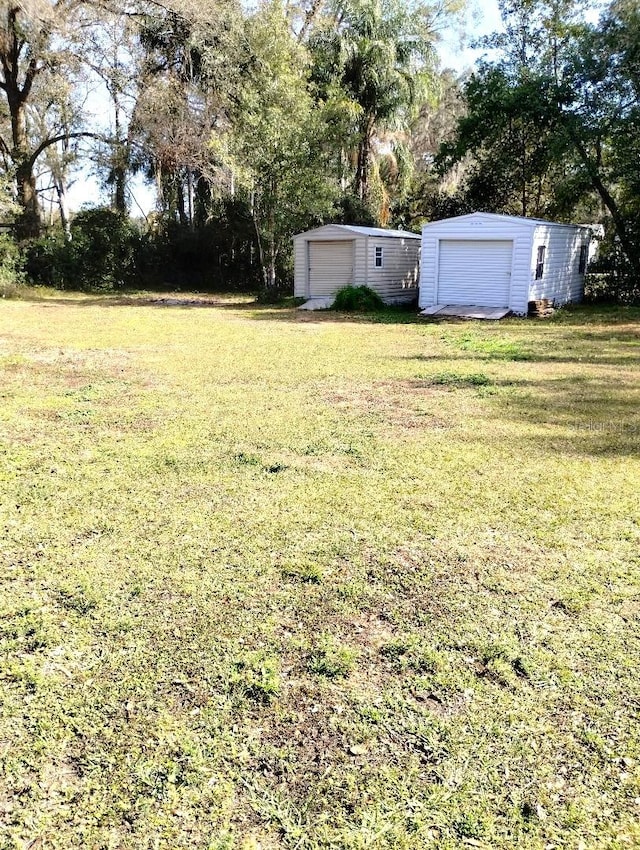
(46, 143)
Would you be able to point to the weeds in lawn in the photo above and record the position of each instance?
(332, 659)
(495, 348)
(453, 379)
(257, 676)
(303, 571)
(411, 654)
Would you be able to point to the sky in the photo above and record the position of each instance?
(483, 17)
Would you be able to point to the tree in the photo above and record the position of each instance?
(107, 42)
(58, 114)
(598, 97)
(514, 159)
(508, 134)
(191, 66)
(30, 61)
(275, 144)
(381, 53)
(555, 119)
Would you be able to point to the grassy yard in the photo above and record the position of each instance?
(272, 580)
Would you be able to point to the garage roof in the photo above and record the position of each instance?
(514, 219)
(365, 231)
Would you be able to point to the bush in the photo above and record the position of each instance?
(107, 251)
(359, 299)
(49, 260)
(11, 267)
(610, 278)
(103, 253)
(219, 254)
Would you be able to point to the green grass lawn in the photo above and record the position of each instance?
(273, 580)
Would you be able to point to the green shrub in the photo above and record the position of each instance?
(102, 254)
(610, 278)
(11, 267)
(359, 299)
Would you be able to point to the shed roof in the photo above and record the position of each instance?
(364, 231)
(513, 219)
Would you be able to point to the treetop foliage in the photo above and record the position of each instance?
(306, 112)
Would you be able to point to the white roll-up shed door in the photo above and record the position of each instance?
(475, 272)
(330, 267)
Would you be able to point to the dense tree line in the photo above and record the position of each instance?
(255, 122)
(551, 127)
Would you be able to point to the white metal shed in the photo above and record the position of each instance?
(337, 255)
(489, 260)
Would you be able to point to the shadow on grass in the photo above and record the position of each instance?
(587, 314)
(382, 317)
(221, 301)
(574, 316)
(592, 352)
(595, 416)
(174, 300)
(606, 317)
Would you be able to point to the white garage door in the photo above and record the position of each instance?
(475, 272)
(330, 267)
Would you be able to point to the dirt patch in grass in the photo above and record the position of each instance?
(406, 404)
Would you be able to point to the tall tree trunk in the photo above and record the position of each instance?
(119, 161)
(364, 158)
(271, 265)
(160, 192)
(61, 191)
(310, 15)
(29, 222)
(190, 198)
(119, 178)
(179, 187)
(120, 200)
(523, 163)
(255, 217)
(16, 95)
(362, 172)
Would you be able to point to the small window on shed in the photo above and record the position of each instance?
(542, 250)
(582, 262)
(379, 261)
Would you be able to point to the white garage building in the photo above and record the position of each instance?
(501, 261)
(337, 255)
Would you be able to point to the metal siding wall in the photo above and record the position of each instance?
(300, 267)
(360, 262)
(428, 270)
(521, 273)
(561, 281)
(329, 233)
(397, 280)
